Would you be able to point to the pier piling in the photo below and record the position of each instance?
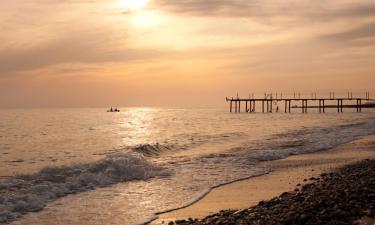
(250, 103)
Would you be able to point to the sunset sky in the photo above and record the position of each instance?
(99, 53)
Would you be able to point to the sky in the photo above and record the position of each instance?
(176, 53)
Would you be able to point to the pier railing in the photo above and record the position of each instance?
(270, 103)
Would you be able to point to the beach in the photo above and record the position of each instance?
(287, 175)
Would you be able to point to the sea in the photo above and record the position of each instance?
(89, 166)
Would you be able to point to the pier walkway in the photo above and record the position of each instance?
(270, 104)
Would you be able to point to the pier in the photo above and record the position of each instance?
(270, 103)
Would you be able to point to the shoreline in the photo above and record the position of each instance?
(205, 193)
(344, 196)
(286, 175)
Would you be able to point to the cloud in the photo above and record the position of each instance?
(362, 32)
(80, 37)
(77, 48)
(266, 9)
(360, 10)
(209, 7)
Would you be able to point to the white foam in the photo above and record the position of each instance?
(30, 193)
(285, 144)
(304, 141)
(205, 192)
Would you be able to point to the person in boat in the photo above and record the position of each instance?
(113, 110)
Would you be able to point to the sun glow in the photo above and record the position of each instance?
(147, 19)
(133, 4)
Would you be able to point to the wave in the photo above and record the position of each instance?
(185, 141)
(28, 193)
(151, 150)
(200, 195)
(31, 192)
(278, 146)
(306, 140)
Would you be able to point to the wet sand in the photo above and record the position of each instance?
(343, 196)
(285, 176)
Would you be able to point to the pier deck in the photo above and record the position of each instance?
(270, 104)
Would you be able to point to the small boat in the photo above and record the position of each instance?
(113, 110)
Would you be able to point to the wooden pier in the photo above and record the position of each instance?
(270, 104)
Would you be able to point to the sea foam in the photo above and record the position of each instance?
(306, 140)
(31, 192)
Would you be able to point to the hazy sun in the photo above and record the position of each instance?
(133, 4)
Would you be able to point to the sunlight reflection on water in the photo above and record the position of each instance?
(201, 148)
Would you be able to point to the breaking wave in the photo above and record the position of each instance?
(31, 192)
(185, 141)
(151, 149)
(307, 140)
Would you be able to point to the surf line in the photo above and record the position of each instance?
(204, 194)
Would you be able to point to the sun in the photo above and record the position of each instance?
(132, 4)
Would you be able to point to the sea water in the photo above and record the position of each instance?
(87, 166)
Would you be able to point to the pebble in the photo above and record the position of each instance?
(342, 197)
